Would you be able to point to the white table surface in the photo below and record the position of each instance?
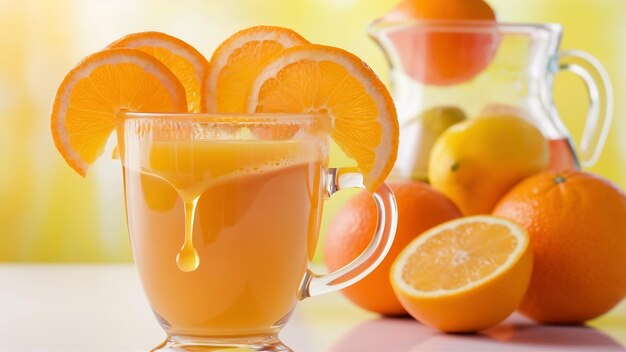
(102, 308)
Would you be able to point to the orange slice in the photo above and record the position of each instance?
(187, 63)
(314, 78)
(464, 275)
(238, 60)
(91, 95)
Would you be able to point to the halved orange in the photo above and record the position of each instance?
(314, 78)
(187, 63)
(88, 100)
(237, 61)
(464, 275)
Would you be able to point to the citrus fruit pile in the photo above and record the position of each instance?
(257, 70)
(454, 273)
(487, 226)
(551, 243)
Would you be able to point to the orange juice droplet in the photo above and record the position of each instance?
(187, 258)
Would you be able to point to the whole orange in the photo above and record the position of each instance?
(577, 227)
(420, 207)
(449, 52)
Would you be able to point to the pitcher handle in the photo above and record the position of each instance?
(600, 112)
(342, 178)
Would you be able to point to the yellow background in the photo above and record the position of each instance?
(49, 213)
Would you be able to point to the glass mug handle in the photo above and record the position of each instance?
(342, 178)
(600, 112)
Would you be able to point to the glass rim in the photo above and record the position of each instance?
(233, 119)
(381, 25)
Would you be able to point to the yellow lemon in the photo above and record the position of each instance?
(477, 161)
(424, 130)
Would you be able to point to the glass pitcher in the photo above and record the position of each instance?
(479, 68)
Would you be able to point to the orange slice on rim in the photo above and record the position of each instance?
(237, 61)
(314, 78)
(88, 100)
(187, 63)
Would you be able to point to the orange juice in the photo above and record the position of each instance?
(257, 206)
(561, 155)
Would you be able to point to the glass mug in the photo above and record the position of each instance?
(485, 68)
(223, 213)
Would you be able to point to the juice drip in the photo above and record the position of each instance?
(187, 258)
(192, 168)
